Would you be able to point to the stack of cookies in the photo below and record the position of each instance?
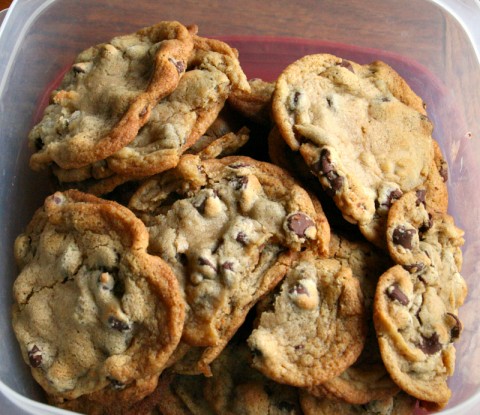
(218, 245)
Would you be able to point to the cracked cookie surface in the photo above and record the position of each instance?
(93, 312)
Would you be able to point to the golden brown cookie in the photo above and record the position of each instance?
(95, 315)
(229, 228)
(360, 129)
(316, 328)
(108, 95)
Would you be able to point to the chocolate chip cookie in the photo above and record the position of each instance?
(229, 228)
(360, 129)
(95, 315)
(317, 326)
(108, 95)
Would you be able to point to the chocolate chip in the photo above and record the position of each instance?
(403, 236)
(421, 193)
(426, 225)
(296, 97)
(39, 143)
(238, 165)
(298, 289)
(239, 182)
(299, 223)
(228, 265)
(329, 102)
(456, 329)
(206, 262)
(325, 168)
(430, 345)
(35, 356)
(346, 64)
(394, 292)
(392, 196)
(179, 65)
(117, 324)
(242, 238)
(299, 347)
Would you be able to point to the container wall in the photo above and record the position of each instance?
(428, 46)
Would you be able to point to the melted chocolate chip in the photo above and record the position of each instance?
(430, 345)
(298, 289)
(403, 236)
(296, 97)
(206, 262)
(325, 168)
(117, 324)
(35, 356)
(238, 165)
(228, 265)
(179, 65)
(242, 238)
(427, 225)
(456, 329)
(392, 196)
(394, 292)
(346, 64)
(421, 193)
(239, 182)
(299, 223)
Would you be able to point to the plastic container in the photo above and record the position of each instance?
(435, 45)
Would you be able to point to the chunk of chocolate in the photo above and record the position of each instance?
(179, 65)
(324, 168)
(421, 194)
(242, 238)
(394, 292)
(35, 356)
(403, 236)
(117, 324)
(299, 223)
(298, 289)
(346, 64)
(392, 196)
(456, 329)
(430, 345)
(206, 262)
